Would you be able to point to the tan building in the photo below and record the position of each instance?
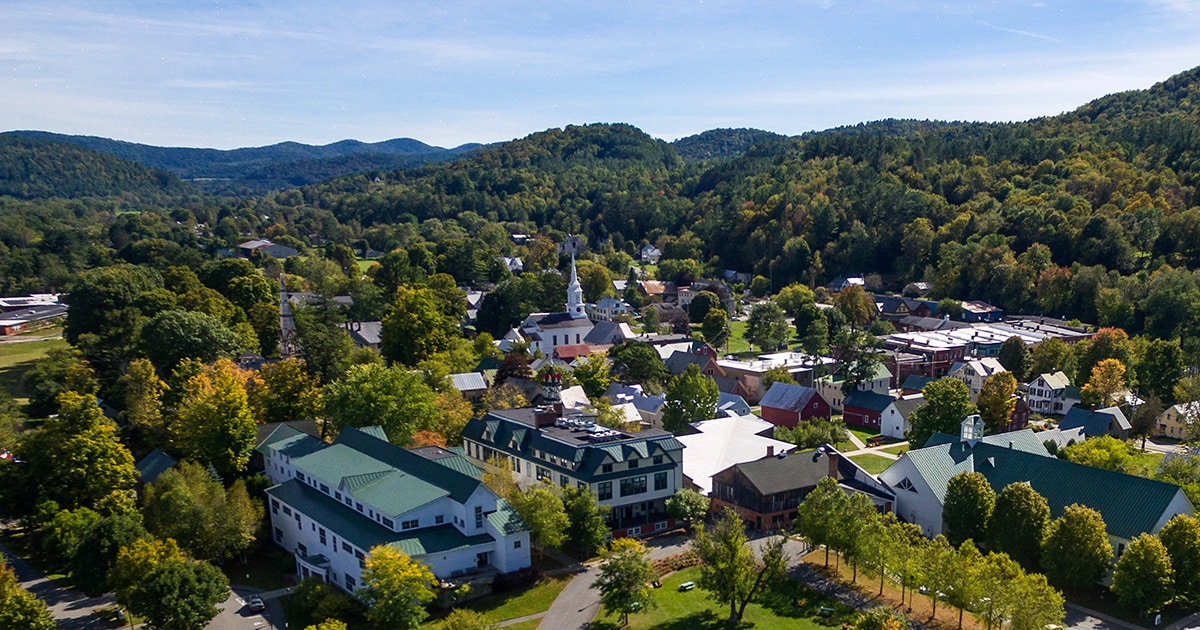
(1174, 422)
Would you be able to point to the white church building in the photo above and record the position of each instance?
(546, 332)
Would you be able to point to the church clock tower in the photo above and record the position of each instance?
(575, 295)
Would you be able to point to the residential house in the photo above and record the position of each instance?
(732, 405)
(1130, 505)
(1176, 421)
(804, 369)
(787, 405)
(333, 503)
(608, 309)
(513, 264)
(678, 361)
(894, 309)
(718, 444)
(650, 254)
(840, 284)
(765, 492)
(262, 247)
(1051, 394)
(1097, 422)
(830, 386)
(608, 333)
(865, 409)
(472, 385)
(976, 311)
(155, 463)
(894, 421)
(915, 384)
(632, 473)
(366, 334)
(974, 372)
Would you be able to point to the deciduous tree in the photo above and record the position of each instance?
(793, 297)
(18, 607)
(947, 402)
(817, 515)
(97, 552)
(188, 505)
(285, 391)
(625, 576)
(688, 506)
(637, 362)
(1181, 537)
(173, 336)
(542, 509)
(702, 304)
(1039, 604)
(1105, 452)
(393, 397)
(592, 372)
(729, 571)
(214, 423)
(587, 527)
(691, 397)
(1107, 381)
(968, 507)
(415, 326)
(767, 327)
(1076, 551)
(1143, 579)
(1018, 524)
(996, 401)
(1014, 356)
(856, 305)
(395, 588)
(179, 594)
(143, 401)
(715, 328)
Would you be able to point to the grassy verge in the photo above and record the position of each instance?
(871, 463)
(863, 434)
(1145, 464)
(532, 600)
(896, 450)
(737, 339)
(793, 606)
(17, 358)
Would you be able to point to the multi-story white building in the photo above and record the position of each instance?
(545, 332)
(633, 473)
(1051, 394)
(333, 503)
(974, 372)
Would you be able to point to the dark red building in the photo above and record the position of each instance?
(786, 405)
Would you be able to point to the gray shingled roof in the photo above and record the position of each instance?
(1094, 423)
(788, 396)
(867, 400)
(468, 381)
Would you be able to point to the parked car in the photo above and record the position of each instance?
(256, 604)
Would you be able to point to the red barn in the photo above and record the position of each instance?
(786, 405)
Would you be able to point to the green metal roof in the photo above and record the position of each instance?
(395, 492)
(335, 462)
(364, 533)
(505, 519)
(1129, 504)
(460, 485)
(290, 442)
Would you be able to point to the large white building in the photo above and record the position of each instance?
(545, 332)
(633, 473)
(333, 503)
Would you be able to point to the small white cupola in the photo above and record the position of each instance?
(971, 429)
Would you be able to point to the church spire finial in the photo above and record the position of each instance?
(575, 294)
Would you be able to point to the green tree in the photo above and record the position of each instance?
(938, 560)
(702, 303)
(858, 357)
(587, 527)
(715, 328)
(880, 618)
(794, 297)
(62, 534)
(97, 552)
(172, 336)
(1105, 452)
(135, 560)
(1050, 356)
(214, 424)
(777, 374)
(1106, 383)
(458, 619)
(395, 588)
(179, 594)
(415, 326)
(285, 391)
(691, 397)
(18, 607)
(996, 401)
(143, 401)
(856, 305)
(596, 282)
(393, 397)
(729, 571)
(968, 507)
(650, 320)
(967, 586)
(322, 341)
(1143, 579)
(1160, 368)
(1076, 551)
(1014, 356)
(62, 370)
(76, 458)
(813, 329)
(1039, 604)
(189, 506)
(637, 362)
(1181, 537)
(592, 373)
(760, 286)
(625, 576)
(947, 402)
(767, 327)
(1019, 521)
(542, 509)
(813, 433)
(688, 506)
(817, 516)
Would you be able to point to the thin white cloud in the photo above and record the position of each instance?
(1022, 33)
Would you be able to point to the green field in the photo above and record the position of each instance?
(364, 265)
(532, 600)
(17, 358)
(796, 607)
(873, 464)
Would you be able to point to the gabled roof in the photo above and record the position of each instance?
(678, 361)
(732, 403)
(788, 396)
(505, 519)
(905, 406)
(153, 465)
(604, 332)
(449, 457)
(290, 442)
(1056, 381)
(365, 533)
(468, 381)
(916, 382)
(772, 475)
(723, 442)
(984, 367)
(458, 485)
(867, 400)
(1096, 422)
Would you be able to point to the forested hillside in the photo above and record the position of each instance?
(37, 169)
(1090, 215)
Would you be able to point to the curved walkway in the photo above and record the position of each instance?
(71, 609)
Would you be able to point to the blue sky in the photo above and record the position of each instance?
(237, 74)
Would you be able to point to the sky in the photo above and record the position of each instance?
(447, 72)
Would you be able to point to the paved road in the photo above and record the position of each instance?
(236, 615)
(72, 610)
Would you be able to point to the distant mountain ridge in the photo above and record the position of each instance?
(260, 169)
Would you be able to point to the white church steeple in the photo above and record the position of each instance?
(575, 295)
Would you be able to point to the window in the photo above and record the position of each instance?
(606, 468)
(658, 527)
(660, 481)
(346, 547)
(325, 488)
(478, 516)
(407, 525)
(439, 519)
(274, 506)
(658, 459)
(543, 474)
(516, 544)
(634, 531)
(563, 481)
(633, 485)
(337, 495)
(905, 484)
(358, 506)
(287, 511)
(301, 549)
(348, 501)
(321, 535)
(387, 522)
(604, 490)
(580, 485)
(633, 463)
(278, 535)
(350, 583)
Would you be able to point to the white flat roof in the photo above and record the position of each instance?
(724, 442)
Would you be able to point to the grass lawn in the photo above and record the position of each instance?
(871, 463)
(694, 610)
(863, 434)
(534, 599)
(364, 265)
(896, 450)
(18, 358)
(525, 625)
(737, 338)
(1144, 464)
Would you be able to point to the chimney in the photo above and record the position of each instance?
(770, 450)
(833, 458)
(544, 417)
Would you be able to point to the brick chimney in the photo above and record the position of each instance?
(833, 458)
(546, 416)
(770, 450)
